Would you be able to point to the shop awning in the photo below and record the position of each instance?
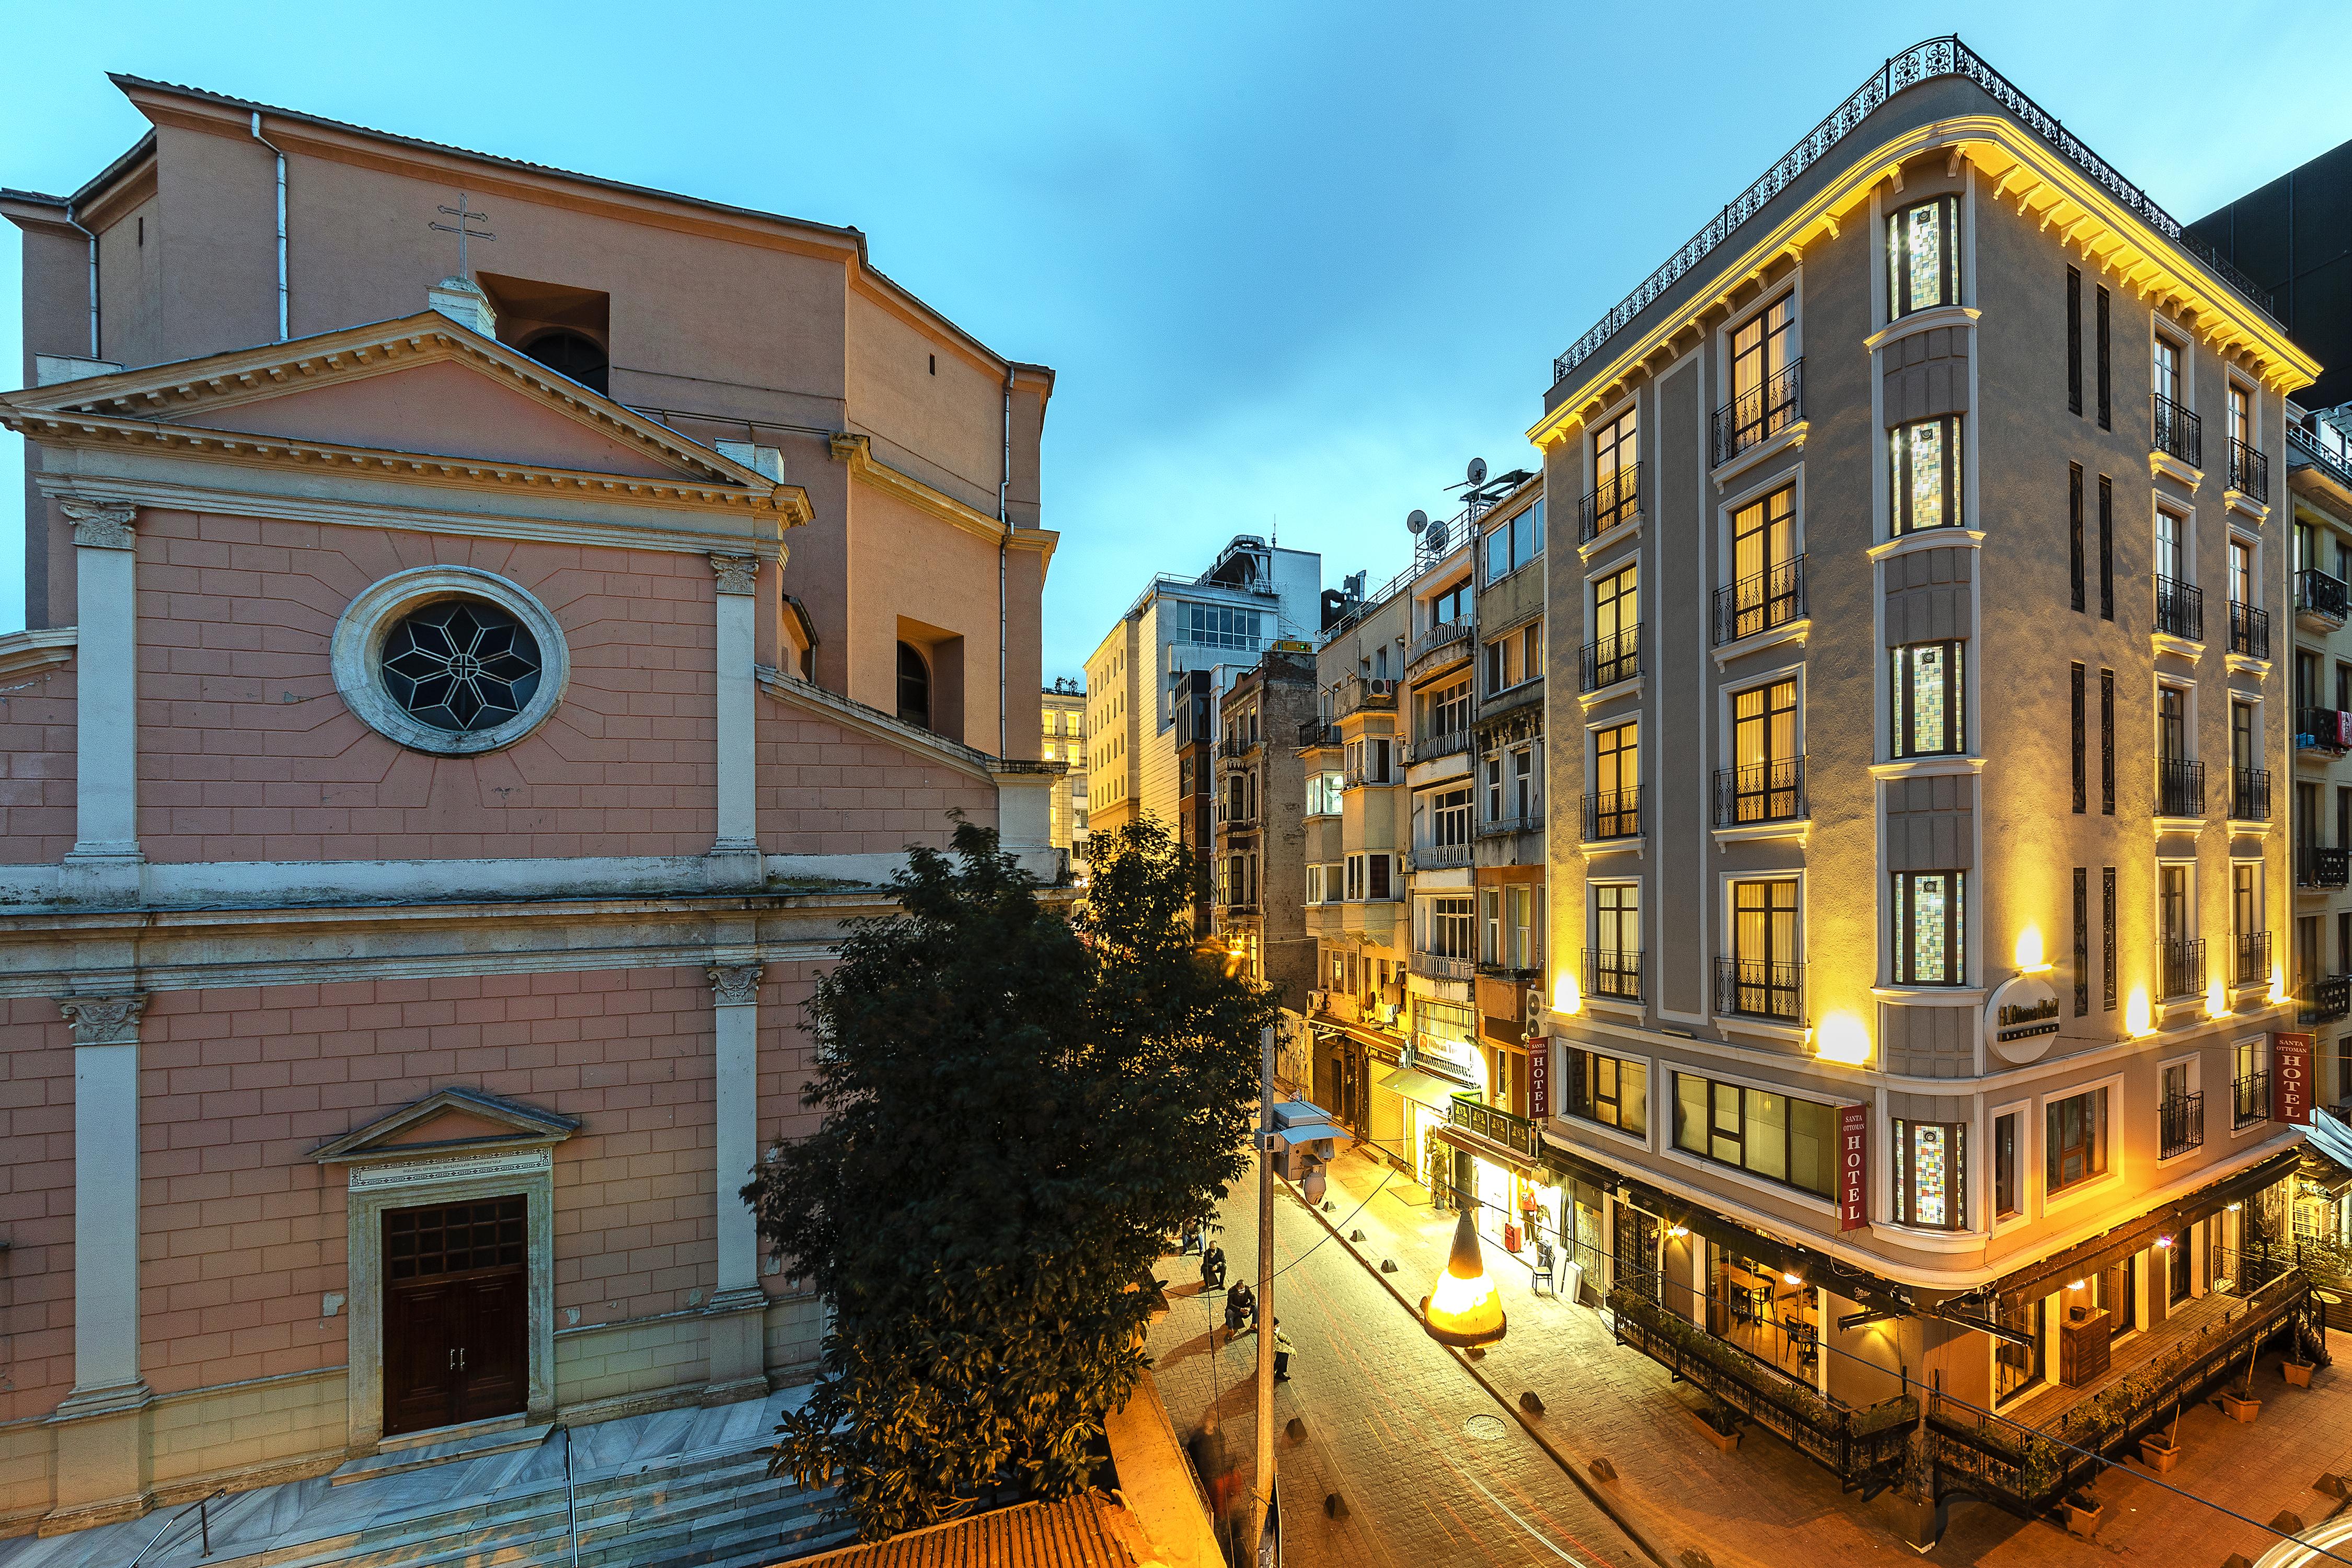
(2101, 1253)
(1421, 1087)
(2327, 1154)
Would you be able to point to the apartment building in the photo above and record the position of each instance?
(1062, 708)
(1260, 799)
(1929, 859)
(1141, 678)
(1352, 776)
(2319, 503)
(436, 787)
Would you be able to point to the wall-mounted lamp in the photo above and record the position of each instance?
(2139, 1020)
(2030, 957)
(2163, 1241)
(1842, 1038)
(1565, 998)
(2077, 1285)
(2217, 998)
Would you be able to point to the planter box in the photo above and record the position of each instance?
(2159, 1455)
(1724, 1442)
(2083, 1521)
(2240, 1409)
(2298, 1372)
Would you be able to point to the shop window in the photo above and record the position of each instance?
(1923, 265)
(1609, 1090)
(1931, 1174)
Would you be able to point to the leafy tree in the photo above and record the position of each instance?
(1019, 1111)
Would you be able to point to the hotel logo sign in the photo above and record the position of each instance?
(1854, 1166)
(2020, 1019)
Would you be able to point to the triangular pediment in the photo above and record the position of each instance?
(449, 1121)
(426, 387)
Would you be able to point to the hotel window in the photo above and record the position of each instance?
(1923, 262)
(1768, 1134)
(2075, 530)
(2106, 742)
(2107, 937)
(1931, 1174)
(2074, 340)
(1616, 627)
(2241, 572)
(2242, 416)
(2008, 1192)
(1764, 399)
(2171, 561)
(1929, 917)
(2246, 923)
(1767, 590)
(1616, 782)
(1616, 939)
(1767, 979)
(2106, 548)
(2075, 1139)
(2106, 381)
(2081, 743)
(2081, 942)
(1609, 1090)
(1928, 692)
(1767, 772)
(1926, 474)
(1511, 545)
(1616, 470)
(2167, 368)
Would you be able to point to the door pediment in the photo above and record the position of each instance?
(450, 1121)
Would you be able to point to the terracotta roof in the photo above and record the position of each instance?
(1072, 1533)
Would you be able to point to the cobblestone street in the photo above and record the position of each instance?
(1386, 1406)
(1433, 1472)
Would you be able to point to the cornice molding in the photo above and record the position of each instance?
(874, 724)
(29, 652)
(857, 451)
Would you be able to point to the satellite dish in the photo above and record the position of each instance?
(1416, 519)
(1477, 470)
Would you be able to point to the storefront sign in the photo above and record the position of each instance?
(2020, 1018)
(1539, 1078)
(1854, 1166)
(2291, 1078)
(420, 1172)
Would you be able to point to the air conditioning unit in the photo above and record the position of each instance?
(1535, 1007)
(1314, 1001)
(1380, 688)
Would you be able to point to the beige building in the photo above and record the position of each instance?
(1064, 707)
(457, 723)
(2318, 499)
(1260, 791)
(1915, 1013)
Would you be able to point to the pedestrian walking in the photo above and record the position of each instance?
(1213, 1267)
(1281, 1353)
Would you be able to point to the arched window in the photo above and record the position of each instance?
(914, 685)
(570, 354)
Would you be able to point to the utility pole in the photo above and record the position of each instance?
(1263, 1489)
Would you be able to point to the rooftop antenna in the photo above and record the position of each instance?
(461, 231)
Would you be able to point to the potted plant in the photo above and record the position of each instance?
(1721, 1426)
(2239, 1404)
(2160, 1451)
(2082, 1511)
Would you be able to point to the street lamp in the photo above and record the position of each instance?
(1463, 1308)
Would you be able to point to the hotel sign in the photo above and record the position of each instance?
(1539, 1078)
(2291, 1078)
(2020, 1019)
(1854, 1166)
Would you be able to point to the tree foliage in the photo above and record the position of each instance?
(1019, 1109)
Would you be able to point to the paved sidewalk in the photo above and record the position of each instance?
(1768, 1505)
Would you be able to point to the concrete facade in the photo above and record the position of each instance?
(1260, 792)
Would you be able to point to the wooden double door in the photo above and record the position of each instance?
(455, 1321)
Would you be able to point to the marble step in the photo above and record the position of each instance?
(423, 1456)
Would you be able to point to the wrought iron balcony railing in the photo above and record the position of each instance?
(1613, 814)
(1610, 660)
(1761, 791)
(2180, 1118)
(2250, 795)
(2250, 470)
(2327, 998)
(2174, 430)
(2179, 788)
(2179, 608)
(1757, 603)
(2180, 963)
(1761, 413)
(1617, 498)
(2319, 597)
(2249, 1098)
(2253, 958)
(1608, 973)
(2317, 866)
(1759, 990)
(2249, 631)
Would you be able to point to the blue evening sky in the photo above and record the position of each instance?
(1294, 265)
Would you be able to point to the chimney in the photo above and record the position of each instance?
(462, 300)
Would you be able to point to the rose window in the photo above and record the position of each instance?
(461, 664)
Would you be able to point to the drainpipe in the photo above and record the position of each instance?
(257, 136)
(93, 279)
(1004, 602)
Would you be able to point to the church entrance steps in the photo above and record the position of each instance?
(422, 1456)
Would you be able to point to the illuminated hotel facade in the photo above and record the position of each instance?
(1912, 660)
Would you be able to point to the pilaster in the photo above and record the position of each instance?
(737, 654)
(102, 1436)
(737, 1366)
(103, 865)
